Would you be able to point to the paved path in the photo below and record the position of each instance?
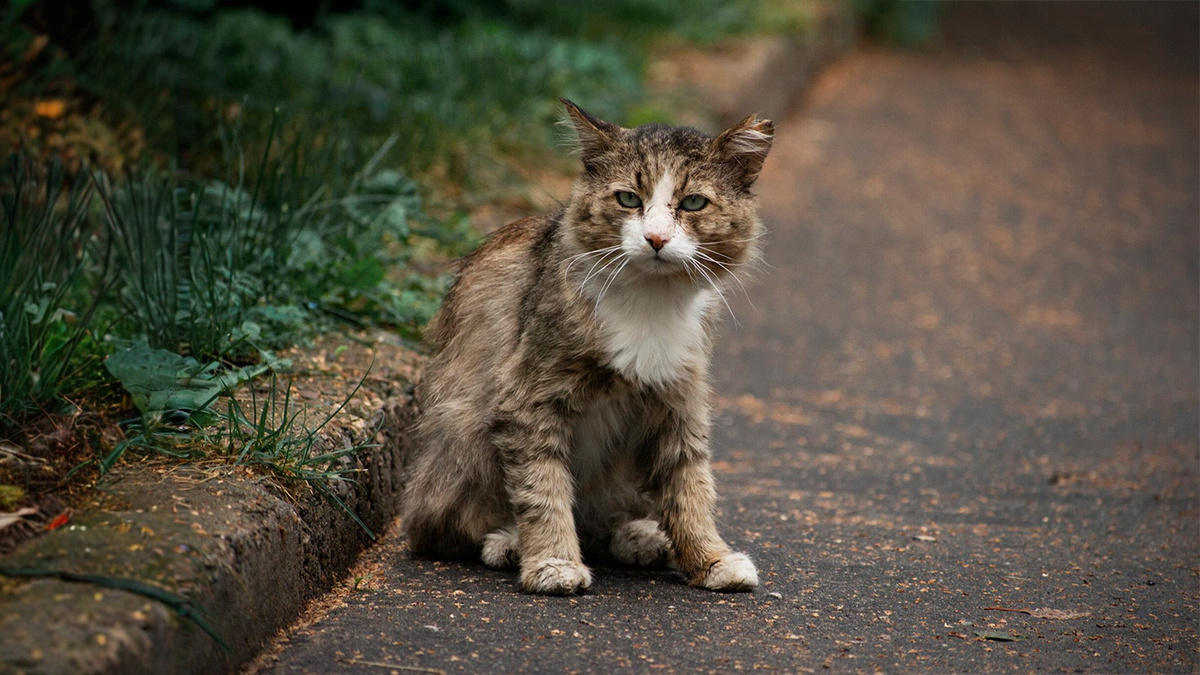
(970, 382)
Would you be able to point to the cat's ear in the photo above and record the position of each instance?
(744, 146)
(594, 135)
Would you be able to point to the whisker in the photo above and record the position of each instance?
(703, 247)
(717, 289)
(741, 284)
(612, 277)
(735, 241)
(726, 267)
(593, 272)
(570, 262)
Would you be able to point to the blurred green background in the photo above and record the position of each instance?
(217, 179)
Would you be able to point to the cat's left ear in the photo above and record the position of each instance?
(595, 135)
(745, 146)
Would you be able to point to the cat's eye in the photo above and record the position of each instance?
(693, 202)
(628, 199)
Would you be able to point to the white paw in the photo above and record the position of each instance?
(500, 549)
(555, 576)
(639, 542)
(731, 572)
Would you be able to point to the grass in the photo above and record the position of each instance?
(196, 282)
(274, 435)
(47, 350)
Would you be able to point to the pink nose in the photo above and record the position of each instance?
(657, 241)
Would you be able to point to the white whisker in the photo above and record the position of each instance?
(741, 284)
(593, 272)
(570, 262)
(747, 240)
(717, 289)
(612, 277)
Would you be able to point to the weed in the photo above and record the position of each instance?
(272, 434)
(216, 270)
(47, 258)
(174, 395)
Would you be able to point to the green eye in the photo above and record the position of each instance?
(693, 203)
(628, 200)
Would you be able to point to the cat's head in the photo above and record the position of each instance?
(666, 201)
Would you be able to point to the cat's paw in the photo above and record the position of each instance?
(640, 542)
(731, 572)
(501, 549)
(555, 576)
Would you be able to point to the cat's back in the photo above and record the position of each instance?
(486, 297)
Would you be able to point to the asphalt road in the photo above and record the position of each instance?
(969, 381)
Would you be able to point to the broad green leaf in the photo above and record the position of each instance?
(159, 380)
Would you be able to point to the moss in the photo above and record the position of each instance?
(10, 497)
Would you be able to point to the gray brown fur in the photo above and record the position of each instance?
(547, 429)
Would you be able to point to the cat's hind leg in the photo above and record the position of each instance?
(640, 542)
(501, 548)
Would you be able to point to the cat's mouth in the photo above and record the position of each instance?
(663, 263)
(662, 266)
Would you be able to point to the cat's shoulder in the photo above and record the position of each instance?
(518, 236)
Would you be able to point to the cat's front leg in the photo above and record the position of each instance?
(534, 452)
(680, 477)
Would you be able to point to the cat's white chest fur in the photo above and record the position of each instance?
(653, 332)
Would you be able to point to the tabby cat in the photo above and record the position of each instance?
(566, 406)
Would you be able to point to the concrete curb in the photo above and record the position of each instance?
(244, 553)
(236, 546)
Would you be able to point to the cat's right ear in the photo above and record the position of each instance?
(744, 147)
(593, 135)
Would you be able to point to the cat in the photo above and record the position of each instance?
(565, 408)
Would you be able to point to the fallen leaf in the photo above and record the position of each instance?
(52, 109)
(996, 635)
(59, 520)
(924, 537)
(1043, 613)
(1058, 613)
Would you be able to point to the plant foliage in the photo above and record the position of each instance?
(46, 258)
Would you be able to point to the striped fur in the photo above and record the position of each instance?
(566, 406)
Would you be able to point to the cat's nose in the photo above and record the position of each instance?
(657, 241)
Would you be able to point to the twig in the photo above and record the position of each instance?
(1044, 612)
(393, 666)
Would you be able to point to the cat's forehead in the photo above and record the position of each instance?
(660, 140)
(651, 150)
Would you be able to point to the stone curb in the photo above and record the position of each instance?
(233, 544)
(246, 555)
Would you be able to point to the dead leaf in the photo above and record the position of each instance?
(1058, 613)
(924, 537)
(1043, 613)
(59, 520)
(12, 518)
(996, 635)
(53, 108)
